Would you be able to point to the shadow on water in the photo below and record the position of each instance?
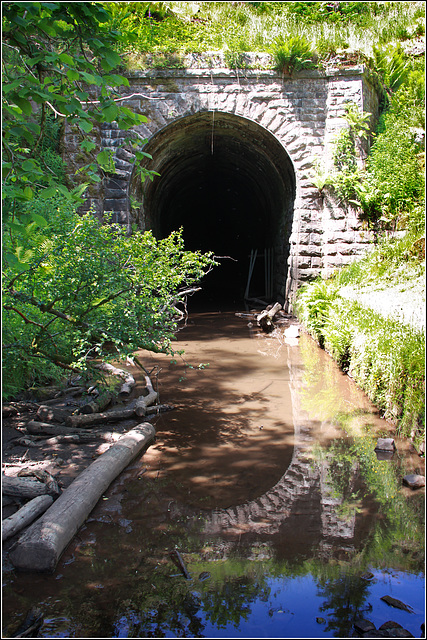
(264, 477)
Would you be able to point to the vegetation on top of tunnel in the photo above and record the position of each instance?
(176, 28)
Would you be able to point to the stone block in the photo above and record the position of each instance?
(303, 238)
(385, 444)
(303, 261)
(310, 250)
(115, 204)
(316, 238)
(111, 193)
(308, 274)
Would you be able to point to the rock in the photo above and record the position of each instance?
(384, 455)
(414, 481)
(398, 604)
(388, 633)
(390, 624)
(385, 444)
(367, 575)
(363, 626)
(292, 331)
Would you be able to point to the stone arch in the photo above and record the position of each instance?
(230, 183)
(302, 113)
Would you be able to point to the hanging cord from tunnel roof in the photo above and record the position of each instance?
(213, 129)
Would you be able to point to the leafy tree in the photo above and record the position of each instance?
(89, 289)
(70, 285)
(58, 59)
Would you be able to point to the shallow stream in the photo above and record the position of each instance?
(265, 480)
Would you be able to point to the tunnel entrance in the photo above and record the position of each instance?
(230, 185)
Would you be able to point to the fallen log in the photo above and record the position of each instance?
(51, 414)
(38, 428)
(79, 421)
(41, 545)
(180, 563)
(43, 476)
(95, 406)
(72, 438)
(32, 623)
(23, 487)
(25, 515)
(69, 391)
(265, 318)
(143, 402)
(128, 379)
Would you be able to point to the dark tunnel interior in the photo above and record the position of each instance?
(230, 185)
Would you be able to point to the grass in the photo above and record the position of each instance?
(256, 26)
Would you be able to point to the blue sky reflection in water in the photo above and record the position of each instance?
(266, 480)
(298, 608)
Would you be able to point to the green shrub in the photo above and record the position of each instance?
(292, 54)
(313, 307)
(82, 285)
(394, 169)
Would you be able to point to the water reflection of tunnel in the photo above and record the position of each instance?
(230, 184)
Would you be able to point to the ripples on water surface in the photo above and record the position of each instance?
(264, 477)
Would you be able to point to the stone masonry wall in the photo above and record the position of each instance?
(304, 113)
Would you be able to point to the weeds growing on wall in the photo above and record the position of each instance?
(292, 54)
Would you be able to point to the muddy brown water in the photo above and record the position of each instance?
(265, 480)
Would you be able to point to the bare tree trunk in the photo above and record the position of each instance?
(265, 318)
(41, 545)
(144, 401)
(25, 515)
(23, 487)
(38, 428)
(128, 379)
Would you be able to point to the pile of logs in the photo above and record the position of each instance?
(36, 492)
(56, 426)
(41, 545)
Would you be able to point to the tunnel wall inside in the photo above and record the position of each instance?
(231, 186)
(303, 114)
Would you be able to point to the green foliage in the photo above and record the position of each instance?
(394, 169)
(319, 176)
(358, 13)
(58, 59)
(253, 26)
(313, 307)
(392, 66)
(347, 178)
(87, 285)
(292, 54)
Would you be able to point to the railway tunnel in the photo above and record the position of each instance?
(230, 185)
